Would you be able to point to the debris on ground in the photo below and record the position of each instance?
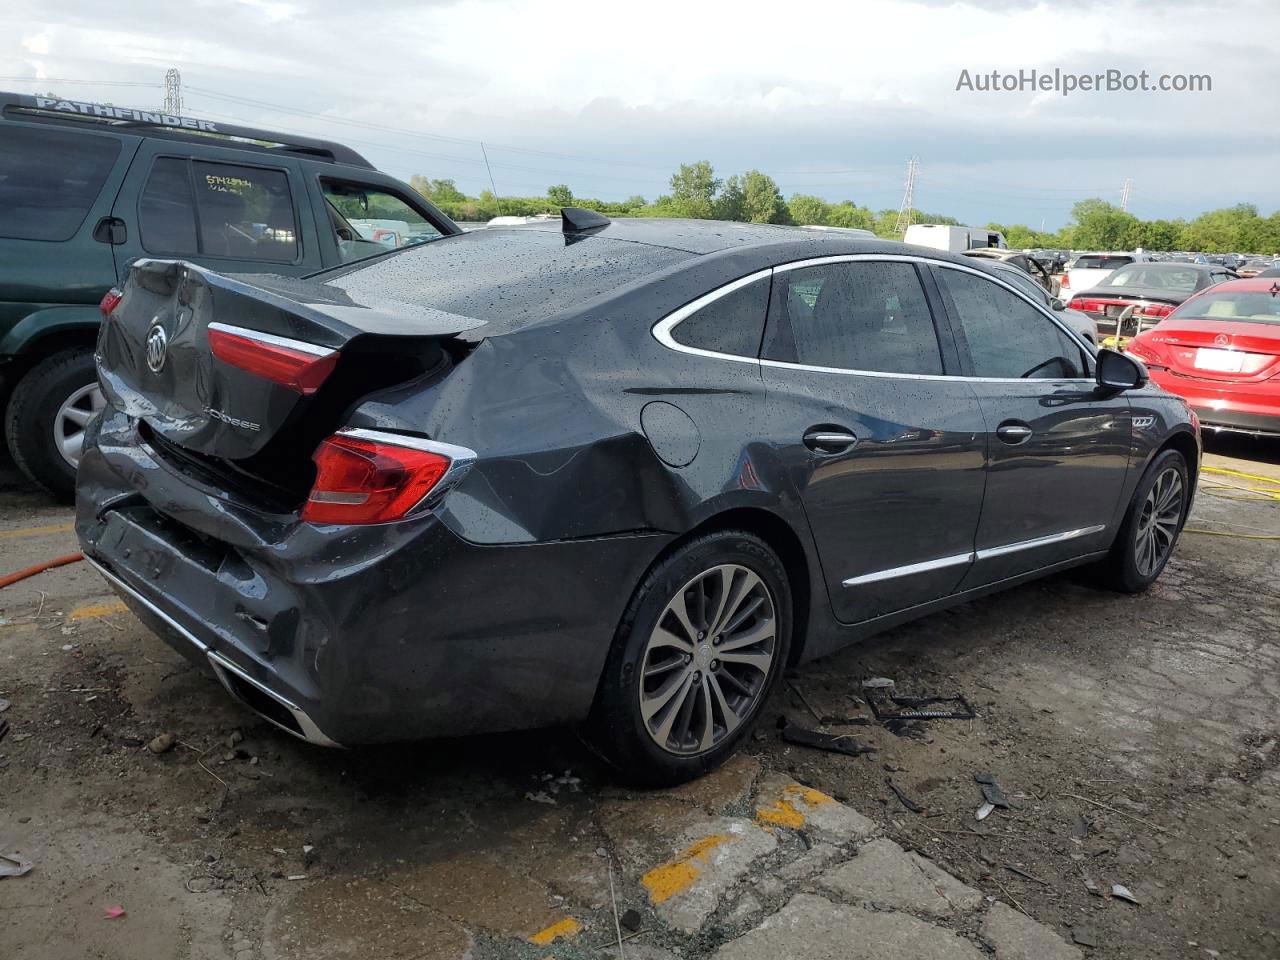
(902, 796)
(113, 912)
(1121, 892)
(4, 704)
(984, 811)
(991, 791)
(883, 704)
(631, 920)
(540, 797)
(1085, 936)
(834, 743)
(162, 743)
(4, 728)
(12, 865)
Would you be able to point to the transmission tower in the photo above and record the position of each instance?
(172, 92)
(1124, 193)
(909, 198)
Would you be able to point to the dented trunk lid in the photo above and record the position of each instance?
(155, 361)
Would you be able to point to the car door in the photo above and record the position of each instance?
(223, 209)
(1057, 446)
(884, 445)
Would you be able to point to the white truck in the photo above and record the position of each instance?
(942, 236)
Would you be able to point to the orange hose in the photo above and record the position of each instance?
(39, 568)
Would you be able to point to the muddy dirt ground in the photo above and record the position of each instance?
(1139, 737)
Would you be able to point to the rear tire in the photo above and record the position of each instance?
(47, 414)
(699, 649)
(1156, 515)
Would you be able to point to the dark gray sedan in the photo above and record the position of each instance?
(621, 474)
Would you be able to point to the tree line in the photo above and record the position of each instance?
(754, 197)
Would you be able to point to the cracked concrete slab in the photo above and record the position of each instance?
(814, 928)
(728, 786)
(886, 875)
(687, 888)
(781, 802)
(1017, 937)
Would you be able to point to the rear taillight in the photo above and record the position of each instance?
(1147, 352)
(1066, 282)
(364, 476)
(1154, 310)
(294, 364)
(110, 301)
(1076, 303)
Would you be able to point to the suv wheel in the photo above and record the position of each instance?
(702, 643)
(48, 413)
(1151, 526)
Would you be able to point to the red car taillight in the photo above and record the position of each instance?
(294, 364)
(1076, 304)
(1154, 310)
(1147, 352)
(110, 301)
(361, 480)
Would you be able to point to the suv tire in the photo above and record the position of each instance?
(41, 419)
(698, 651)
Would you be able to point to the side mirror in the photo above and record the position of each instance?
(1119, 371)
(1056, 303)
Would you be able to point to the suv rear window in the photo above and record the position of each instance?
(49, 179)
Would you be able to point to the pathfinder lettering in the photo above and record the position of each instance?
(123, 113)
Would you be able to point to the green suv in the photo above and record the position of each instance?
(86, 189)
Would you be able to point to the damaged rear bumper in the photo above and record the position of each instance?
(349, 635)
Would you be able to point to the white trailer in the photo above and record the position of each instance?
(942, 236)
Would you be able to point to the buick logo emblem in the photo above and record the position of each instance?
(1222, 340)
(157, 348)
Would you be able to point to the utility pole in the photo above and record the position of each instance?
(905, 212)
(172, 92)
(1124, 194)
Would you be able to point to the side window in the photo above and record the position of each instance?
(863, 315)
(368, 219)
(1007, 337)
(245, 212)
(731, 324)
(166, 209)
(49, 179)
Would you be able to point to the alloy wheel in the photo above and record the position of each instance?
(1159, 521)
(707, 661)
(71, 419)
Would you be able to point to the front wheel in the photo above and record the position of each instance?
(699, 649)
(1151, 526)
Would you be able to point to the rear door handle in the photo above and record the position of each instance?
(1013, 432)
(829, 440)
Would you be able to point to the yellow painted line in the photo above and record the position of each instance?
(785, 813)
(678, 875)
(1244, 476)
(37, 531)
(97, 610)
(566, 929)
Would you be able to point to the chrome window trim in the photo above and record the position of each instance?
(987, 553)
(272, 340)
(461, 460)
(662, 329)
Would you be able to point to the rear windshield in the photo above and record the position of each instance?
(49, 180)
(1181, 280)
(514, 275)
(1102, 263)
(1245, 306)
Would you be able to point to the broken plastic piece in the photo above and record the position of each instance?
(902, 796)
(12, 865)
(984, 811)
(877, 683)
(825, 741)
(991, 789)
(1121, 892)
(113, 912)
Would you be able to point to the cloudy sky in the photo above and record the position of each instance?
(830, 98)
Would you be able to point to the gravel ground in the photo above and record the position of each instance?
(1136, 737)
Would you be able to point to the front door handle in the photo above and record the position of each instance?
(829, 439)
(1013, 432)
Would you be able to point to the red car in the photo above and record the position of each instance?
(1220, 350)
